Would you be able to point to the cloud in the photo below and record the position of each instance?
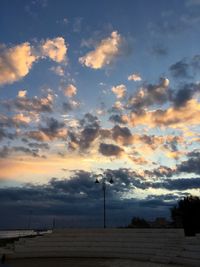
(119, 90)
(88, 133)
(35, 104)
(134, 77)
(170, 117)
(110, 150)
(15, 62)
(22, 93)
(179, 184)
(159, 50)
(191, 165)
(70, 90)
(55, 49)
(185, 94)
(122, 135)
(150, 95)
(7, 151)
(79, 197)
(58, 70)
(121, 119)
(16, 120)
(105, 52)
(191, 3)
(180, 69)
(70, 105)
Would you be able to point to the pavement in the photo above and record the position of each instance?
(81, 262)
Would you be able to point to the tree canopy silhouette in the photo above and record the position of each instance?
(186, 214)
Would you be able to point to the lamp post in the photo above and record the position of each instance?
(103, 181)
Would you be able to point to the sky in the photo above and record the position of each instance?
(97, 89)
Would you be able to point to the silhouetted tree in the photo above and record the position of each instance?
(137, 222)
(186, 214)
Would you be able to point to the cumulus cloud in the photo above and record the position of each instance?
(55, 49)
(15, 62)
(70, 105)
(35, 104)
(180, 69)
(7, 151)
(150, 95)
(171, 117)
(185, 93)
(134, 77)
(70, 90)
(22, 93)
(53, 130)
(122, 135)
(104, 52)
(117, 118)
(58, 70)
(119, 90)
(191, 165)
(110, 150)
(16, 120)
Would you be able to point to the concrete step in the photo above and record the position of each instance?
(89, 243)
(187, 261)
(89, 249)
(192, 247)
(88, 254)
(106, 239)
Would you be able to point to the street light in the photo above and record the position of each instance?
(103, 181)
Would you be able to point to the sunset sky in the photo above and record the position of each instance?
(91, 87)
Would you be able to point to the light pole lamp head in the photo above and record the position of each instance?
(111, 181)
(96, 181)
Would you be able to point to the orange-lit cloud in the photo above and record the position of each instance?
(171, 117)
(70, 90)
(16, 62)
(104, 52)
(55, 49)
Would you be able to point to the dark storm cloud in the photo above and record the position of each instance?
(180, 69)
(79, 197)
(53, 129)
(186, 68)
(110, 150)
(7, 151)
(39, 145)
(5, 134)
(52, 126)
(185, 94)
(179, 184)
(192, 165)
(35, 104)
(122, 135)
(118, 118)
(159, 50)
(86, 135)
(90, 120)
(67, 106)
(150, 94)
(160, 172)
(14, 121)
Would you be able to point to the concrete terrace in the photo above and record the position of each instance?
(107, 247)
(83, 262)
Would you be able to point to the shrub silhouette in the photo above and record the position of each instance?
(137, 222)
(186, 214)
